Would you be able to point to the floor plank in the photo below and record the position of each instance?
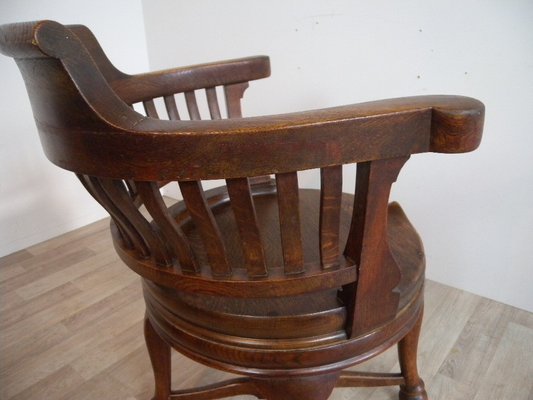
(510, 374)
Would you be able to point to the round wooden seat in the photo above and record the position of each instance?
(306, 321)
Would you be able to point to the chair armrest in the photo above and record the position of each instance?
(159, 150)
(136, 88)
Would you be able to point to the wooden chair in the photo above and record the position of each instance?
(285, 286)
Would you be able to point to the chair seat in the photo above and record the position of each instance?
(310, 315)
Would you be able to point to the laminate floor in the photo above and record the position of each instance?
(71, 328)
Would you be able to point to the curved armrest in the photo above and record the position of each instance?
(139, 87)
(135, 88)
(157, 150)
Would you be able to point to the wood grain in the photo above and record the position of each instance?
(289, 220)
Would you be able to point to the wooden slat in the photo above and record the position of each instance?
(172, 108)
(289, 219)
(212, 102)
(116, 191)
(174, 237)
(203, 218)
(243, 207)
(233, 94)
(192, 105)
(130, 235)
(330, 213)
(127, 240)
(149, 107)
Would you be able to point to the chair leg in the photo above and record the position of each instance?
(413, 389)
(159, 353)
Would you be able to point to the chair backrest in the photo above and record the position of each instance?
(83, 109)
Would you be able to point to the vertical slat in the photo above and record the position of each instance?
(233, 94)
(117, 193)
(244, 210)
(330, 212)
(289, 219)
(103, 200)
(149, 107)
(203, 218)
(192, 105)
(174, 237)
(172, 108)
(127, 229)
(212, 102)
(371, 300)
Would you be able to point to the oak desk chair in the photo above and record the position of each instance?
(285, 286)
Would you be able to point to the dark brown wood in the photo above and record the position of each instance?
(239, 284)
(201, 214)
(172, 109)
(91, 44)
(192, 106)
(159, 352)
(289, 219)
(413, 387)
(246, 277)
(359, 133)
(374, 300)
(212, 102)
(330, 212)
(116, 192)
(149, 108)
(176, 241)
(309, 355)
(125, 239)
(309, 388)
(231, 387)
(369, 379)
(244, 209)
(234, 93)
(135, 88)
(129, 234)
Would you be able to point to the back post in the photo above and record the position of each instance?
(372, 300)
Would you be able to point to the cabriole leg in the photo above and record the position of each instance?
(407, 353)
(159, 353)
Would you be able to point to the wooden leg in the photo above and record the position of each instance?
(413, 389)
(159, 353)
(308, 388)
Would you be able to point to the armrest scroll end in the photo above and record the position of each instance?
(457, 127)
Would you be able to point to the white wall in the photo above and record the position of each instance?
(37, 199)
(474, 211)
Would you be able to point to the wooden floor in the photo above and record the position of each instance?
(71, 328)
